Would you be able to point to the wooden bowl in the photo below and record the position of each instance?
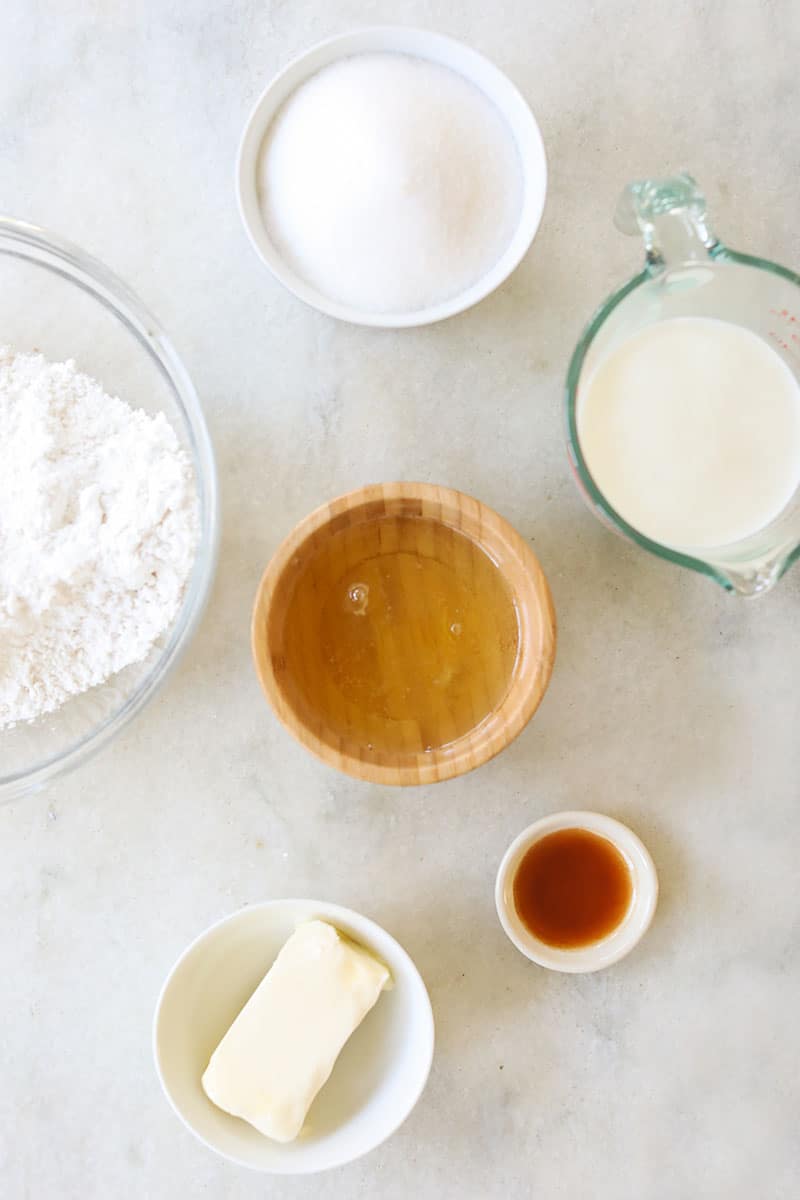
(447, 522)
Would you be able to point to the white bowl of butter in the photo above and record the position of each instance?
(377, 1077)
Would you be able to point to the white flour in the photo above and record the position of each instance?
(98, 529)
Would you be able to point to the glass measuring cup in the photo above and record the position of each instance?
(688, 272)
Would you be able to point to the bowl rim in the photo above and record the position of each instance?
(50, 251)
(536, 622)
(371, 934)
(624, 937)
(435, 47)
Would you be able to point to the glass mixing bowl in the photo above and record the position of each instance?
(56, 299)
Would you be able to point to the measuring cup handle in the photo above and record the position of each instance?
(670, 214)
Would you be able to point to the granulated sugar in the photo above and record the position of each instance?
(98, 529)
(389, 183)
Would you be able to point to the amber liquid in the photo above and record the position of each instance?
(400, 635)
(572, 888)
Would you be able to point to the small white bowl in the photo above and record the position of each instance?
(626, 935)
(435, 48)
(378, 1077)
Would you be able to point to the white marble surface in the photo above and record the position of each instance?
(674, 1075)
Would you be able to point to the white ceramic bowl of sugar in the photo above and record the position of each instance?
(378, 1077)
(434, 48)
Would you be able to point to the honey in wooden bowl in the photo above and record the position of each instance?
(404, 633)
(415, 634)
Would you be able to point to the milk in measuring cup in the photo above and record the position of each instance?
(691, 431)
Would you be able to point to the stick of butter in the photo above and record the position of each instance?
(284, 1043)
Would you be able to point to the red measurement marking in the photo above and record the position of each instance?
(784, 345)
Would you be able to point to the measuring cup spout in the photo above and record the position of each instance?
(754, 579)
(670, 214)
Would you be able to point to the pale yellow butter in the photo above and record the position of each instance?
(284, 1043)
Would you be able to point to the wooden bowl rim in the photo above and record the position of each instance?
(529, 680)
